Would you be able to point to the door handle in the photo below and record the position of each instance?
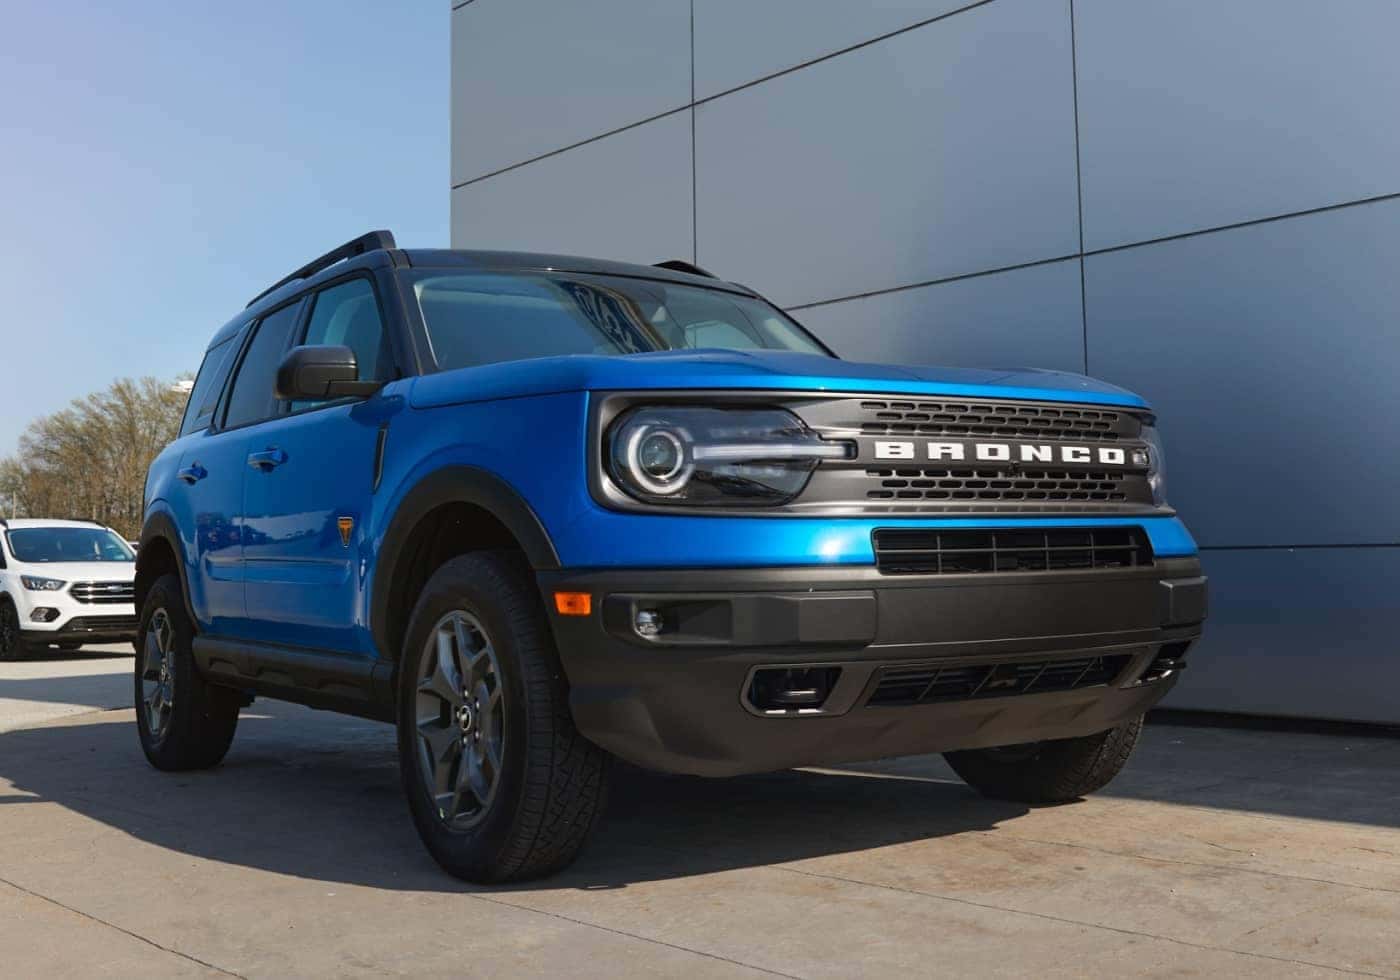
(193, 473)
(267, 459)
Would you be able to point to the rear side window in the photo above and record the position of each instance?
(207, 386)
(251, 399)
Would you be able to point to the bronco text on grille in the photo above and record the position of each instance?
(972, 456)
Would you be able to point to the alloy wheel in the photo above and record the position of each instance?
(158, 674)
(459, 717)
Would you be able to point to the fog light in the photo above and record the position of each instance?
(44, 614)
(647, 623)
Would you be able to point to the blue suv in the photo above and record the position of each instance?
(538, 511)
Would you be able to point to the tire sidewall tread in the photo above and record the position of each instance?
(553, 781)
(205, 716)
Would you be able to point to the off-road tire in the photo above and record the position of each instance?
(552, 782)
(203, 716)
(1048, 772)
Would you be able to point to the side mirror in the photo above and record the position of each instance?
(316, 373)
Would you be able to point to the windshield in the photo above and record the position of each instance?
(482, 318)
(55, 544)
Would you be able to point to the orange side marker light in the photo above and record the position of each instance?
(573, 603)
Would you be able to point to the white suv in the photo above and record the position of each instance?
(65, 583)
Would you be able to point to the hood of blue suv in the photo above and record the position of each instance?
(760, 369)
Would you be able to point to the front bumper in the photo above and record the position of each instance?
(87, 628)
(684, 701)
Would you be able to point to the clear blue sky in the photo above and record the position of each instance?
(162, 161)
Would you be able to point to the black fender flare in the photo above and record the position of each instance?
(161, 525)
(451, 485)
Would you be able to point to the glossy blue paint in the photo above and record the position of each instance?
(273, 537)
(207, 514)
(610, 539)
(759, 369)
(303, 582)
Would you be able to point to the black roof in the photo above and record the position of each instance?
(493, 261)
(377, 249)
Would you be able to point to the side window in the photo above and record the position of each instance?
(208, 385)
(251, 399)
(347, 315)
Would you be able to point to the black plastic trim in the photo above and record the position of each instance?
(450, 485)
(679, 703)
(161, 525)
(347, 683)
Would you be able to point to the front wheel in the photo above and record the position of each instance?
(183, 722)
(12, 645)
(500, 784)
(1054, 771)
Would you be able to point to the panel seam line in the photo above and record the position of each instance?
(695, 103)
(1078, 184)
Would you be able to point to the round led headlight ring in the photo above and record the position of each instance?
(657, 459)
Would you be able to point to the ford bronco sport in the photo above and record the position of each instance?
(539, 511)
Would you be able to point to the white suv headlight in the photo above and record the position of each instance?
(36, 584)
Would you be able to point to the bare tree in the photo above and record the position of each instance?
(90, 459)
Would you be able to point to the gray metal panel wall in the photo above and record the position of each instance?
(910, 175)
(624, 197)
(1208, 112)
(1272, 353)
(532, 76)
(738, 41)
(1025, 316)
(891, 164)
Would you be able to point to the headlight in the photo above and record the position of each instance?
(1156, 464)
(36, 584)
(714, 456)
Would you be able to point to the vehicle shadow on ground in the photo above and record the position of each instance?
(318, 796)
(52, 654)
(105, 689)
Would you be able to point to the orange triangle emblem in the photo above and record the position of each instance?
(347, 525)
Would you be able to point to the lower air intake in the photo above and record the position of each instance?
(929, 552)
(938, 684)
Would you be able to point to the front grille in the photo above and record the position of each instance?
(938, 683)
(938, 552)
(104, 593)
(973, 456)
(101, 624)
(1003, 420)
(999, 485)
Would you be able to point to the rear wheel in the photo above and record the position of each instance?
(12, 645)
(1048, 772)
(183, 722)
(500, 784)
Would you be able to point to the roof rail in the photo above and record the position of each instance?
(681, 265)
(367, 242)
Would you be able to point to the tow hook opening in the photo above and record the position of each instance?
(1170, 659)
(792, 690)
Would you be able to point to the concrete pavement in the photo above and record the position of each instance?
(1234, 852)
